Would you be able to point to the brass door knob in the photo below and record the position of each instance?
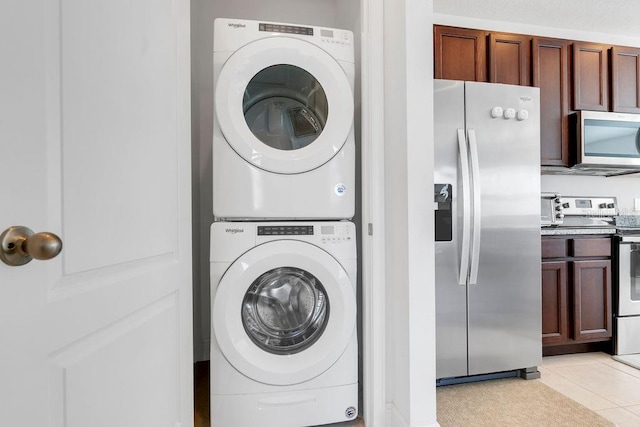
(19, 245)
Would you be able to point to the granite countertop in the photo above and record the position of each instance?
(565, 231)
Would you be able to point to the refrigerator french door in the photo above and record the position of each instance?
(487, 201)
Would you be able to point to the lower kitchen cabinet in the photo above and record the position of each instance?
(576, 290)
(555, 308)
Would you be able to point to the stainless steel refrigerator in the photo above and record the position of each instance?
(487, 202)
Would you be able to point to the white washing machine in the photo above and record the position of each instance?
(284, 346)
(283, 142)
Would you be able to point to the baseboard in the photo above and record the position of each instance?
(395, 419)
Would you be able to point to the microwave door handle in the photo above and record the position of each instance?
(466, 207)
(475, 176)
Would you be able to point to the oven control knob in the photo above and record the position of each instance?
(611, 205)
(560, 215)
(565, 205)
(602, 205)
(558, 208)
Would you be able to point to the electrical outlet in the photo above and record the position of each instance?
(636, 204)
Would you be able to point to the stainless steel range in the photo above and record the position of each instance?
(599, 215)
(578, 214)
(627, 298)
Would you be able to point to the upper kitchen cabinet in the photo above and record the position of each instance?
(625, 79)
(590, 76)
(460, 54)
(509, 59)
(550, 73)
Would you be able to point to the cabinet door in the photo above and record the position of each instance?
(555, 321)
(460, 54)
(592, 316)
(590, 76)
(625, 79)
(509, 59)
(550, 63)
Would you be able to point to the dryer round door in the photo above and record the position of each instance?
(284, 312)
(284, 105)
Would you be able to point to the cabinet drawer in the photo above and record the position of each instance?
(554, 248)
(600, 246)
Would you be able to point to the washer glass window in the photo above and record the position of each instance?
(285, 107)
(285, 310)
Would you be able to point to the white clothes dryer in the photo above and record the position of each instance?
(283, 141)
(284, 348)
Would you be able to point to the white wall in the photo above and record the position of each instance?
(410, 140)
(613, 17)
(409, 214)
(612, 21)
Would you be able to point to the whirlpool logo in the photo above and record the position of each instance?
(232, 25)
(234, 230)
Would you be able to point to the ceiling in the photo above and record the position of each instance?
(601, 16)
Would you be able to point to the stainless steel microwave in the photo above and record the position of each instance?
(608, 140)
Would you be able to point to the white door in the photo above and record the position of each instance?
(95, 147)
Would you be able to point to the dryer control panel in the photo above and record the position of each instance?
(285, 230)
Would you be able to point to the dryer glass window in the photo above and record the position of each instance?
(285, 310)
(285, 107)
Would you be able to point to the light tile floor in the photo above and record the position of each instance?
(595, 380)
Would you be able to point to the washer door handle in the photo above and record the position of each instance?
(19, 245)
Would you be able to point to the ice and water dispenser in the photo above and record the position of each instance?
(442, 196)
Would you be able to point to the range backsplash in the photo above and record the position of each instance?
(625, 188)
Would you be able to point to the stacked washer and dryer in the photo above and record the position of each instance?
(284, 346)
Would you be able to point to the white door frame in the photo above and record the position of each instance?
(373, 231)
(409, 398)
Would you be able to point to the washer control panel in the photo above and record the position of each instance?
(335, 233)
(286, 29)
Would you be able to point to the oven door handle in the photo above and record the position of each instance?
(625, 304)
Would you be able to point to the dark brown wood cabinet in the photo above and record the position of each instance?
(592, 316)
(571, 75)
(576, 290)
(510, 59)
(625, 79)
(460, 54)
(590, 76)
(550, 73)
(555, 319)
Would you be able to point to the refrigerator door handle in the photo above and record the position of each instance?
(475, 172)
(466, 204)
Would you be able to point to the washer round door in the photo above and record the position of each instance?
(284, 105)
(284, 312)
